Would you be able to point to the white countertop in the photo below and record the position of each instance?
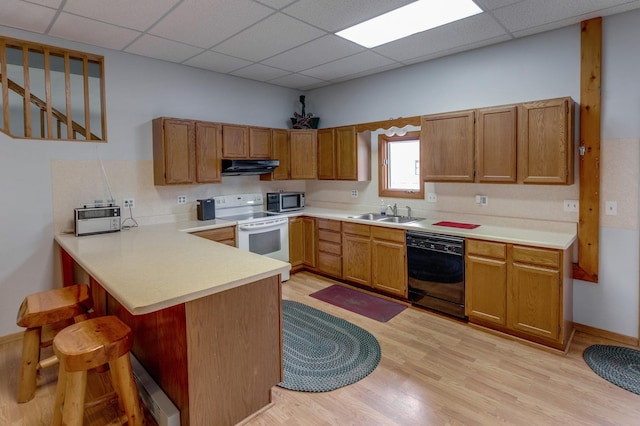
(157, 266)
(505, 234)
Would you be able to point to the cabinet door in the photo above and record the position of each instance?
(226, 235)
(310, 242)
(356, 259)
(296, 242)
(208, 152)
(280, 152)
(259, 142)
(486, 289)
(346, 153)
(496, 141)
(235, 141)
(174, 153)
(446, 147)
(326, 154)
(546, 142)
(389, 267)
(303, 150)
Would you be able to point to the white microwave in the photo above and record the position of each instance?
(285, 201)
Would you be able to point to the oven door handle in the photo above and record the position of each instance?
(263, 225)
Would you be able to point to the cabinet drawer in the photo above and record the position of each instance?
(390, 234)
(324, 235)
(487, 249)
(537, 256)
(328, 247)
(331, 225)
(355, 228)
(218, 234)
(330, 264)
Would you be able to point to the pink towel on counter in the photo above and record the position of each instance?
(457, 225)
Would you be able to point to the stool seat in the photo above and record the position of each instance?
(49, 307)
(87, 345)
(52, 310)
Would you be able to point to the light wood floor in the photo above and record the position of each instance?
(434, 371)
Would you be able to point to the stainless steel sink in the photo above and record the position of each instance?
(368, 216)
(375, 217)
(400, 219)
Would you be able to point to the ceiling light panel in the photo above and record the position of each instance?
(413, 18)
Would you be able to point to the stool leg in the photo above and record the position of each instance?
(29, 366)
(73, 413)
(125, 387)
(61, 388)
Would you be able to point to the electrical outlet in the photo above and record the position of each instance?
(432, 197)
(571, 205)
(611, 208)
(354, 193)
(128, 203)
(482, 200)
(182, 199)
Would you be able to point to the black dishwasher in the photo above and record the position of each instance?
(435, 265)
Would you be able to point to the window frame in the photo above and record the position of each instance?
(383, 167)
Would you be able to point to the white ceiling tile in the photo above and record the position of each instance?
(316, 52)
(25, 16)
(533, 13)
(267, 38)
(205, 23)
(348, 66)
(494, 4)
(443, 38)
(49, 3)
(457, 49)
(369, 71)
(298, 81)
(216, 62)
(334, 15)
(72, 27)
(138, 15)
(276, 4)
(159, 48)
(260, 72)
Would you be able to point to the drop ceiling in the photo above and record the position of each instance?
(288, 43)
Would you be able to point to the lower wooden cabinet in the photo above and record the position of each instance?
(520, 290)
(310, 257)
(330, 247)
(356, 253)
(296, 243)
(389, 260)
(226, 235)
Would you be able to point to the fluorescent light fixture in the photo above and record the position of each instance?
(413, 18)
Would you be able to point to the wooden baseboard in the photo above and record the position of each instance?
(10, 338)
(621, 338)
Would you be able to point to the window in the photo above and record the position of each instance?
(399, 166)
(51, 93)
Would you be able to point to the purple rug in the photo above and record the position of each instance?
(361, 303)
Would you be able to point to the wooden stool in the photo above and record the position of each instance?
(47, 308)
(86, 345)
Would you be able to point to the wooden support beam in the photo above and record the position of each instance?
(590, 79)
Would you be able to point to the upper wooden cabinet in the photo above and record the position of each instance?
(446, 147)
(526, 143)
(280, 152)
(546, 141)
(235, 141)
(302, 154)
(343, 154)
(243, 142)
(496, 144)
(185, 151)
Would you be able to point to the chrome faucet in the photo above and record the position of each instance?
(394, 208)
(408, 211)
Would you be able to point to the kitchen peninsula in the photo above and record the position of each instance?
(206, 317)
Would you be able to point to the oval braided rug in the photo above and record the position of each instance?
(616, 364)
(323, 352)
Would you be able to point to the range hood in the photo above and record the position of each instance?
(248, 167)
